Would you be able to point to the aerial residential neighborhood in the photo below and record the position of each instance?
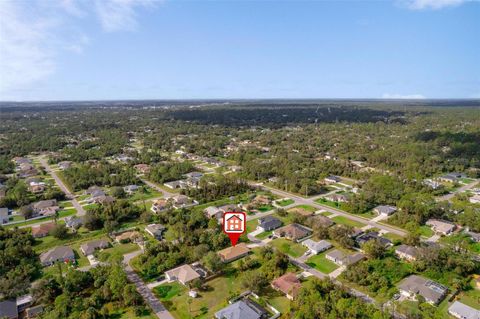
(151, 218)
(239, 159)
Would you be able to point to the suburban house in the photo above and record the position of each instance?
(90, 247)
(160, 205)
(45, 207)
(332, 179)
(294, 232)
(129, 236)
(475, 237)
(183, 274)
(406, 252)
(142, 168)
(268, 223)
(451, 177)
(338, 257)
(155, 230)
(73, 222)
(8, 309)
(322, 221)
(462, 311)
(415, 285)
(385, 210)
(230, 208)
(356, 232)
(36, 189)
(130, 189)
(432, 184)
(440, 226)
(103, 200)
(362, 239)
(213, 212)
(242, 309)
(316, 247)
(64, 165)
(94, 191)
(4, 218)
(180, 201)
(175, 184)
(338, 198)
(288, 284)
(475, 199)
(59, 253)
(234, 252)
(193, 175)
(42, 230)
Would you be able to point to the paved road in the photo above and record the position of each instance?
(155, 186)
(308, 201)
(458, 190)
(157, 307)
(63, 187)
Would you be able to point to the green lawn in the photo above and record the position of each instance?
(175, 297)
(368, 215)
(426, 231)
(120, 249)
(149, 193)
(264, 235)
(285, 202)
(288, 247)
(471, 296)
(346, 221)
(323, 201)
(252, 225)
(306, 207)
(392, 236)
(82, 236)
(456, 238)
(321, 263)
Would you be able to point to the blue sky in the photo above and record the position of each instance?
(144, 49)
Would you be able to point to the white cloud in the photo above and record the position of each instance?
(402, 97)
(432, 4)
(25, 53)
(34, 33)
(118, 15)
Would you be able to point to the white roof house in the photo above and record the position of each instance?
(317, 247)
(462, 311)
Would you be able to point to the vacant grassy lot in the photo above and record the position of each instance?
(321, 263)
(346, 221)
(175, 297)
(285, 202)
(288, 247)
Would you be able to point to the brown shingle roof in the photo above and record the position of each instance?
(235, 252)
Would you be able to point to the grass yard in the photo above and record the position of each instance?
(471, 297)
(426, 231)
(285, 202)
(264, 235)
(307, 208)
(288, 247)
(175, 298)
(252, 225)
(117, 249)
(149, 193)
(456, 238)
(346, 221)
(393, 237)
(368, 215)
(321, 263)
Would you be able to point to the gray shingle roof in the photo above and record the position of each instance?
(8, 309)
(240, 310)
